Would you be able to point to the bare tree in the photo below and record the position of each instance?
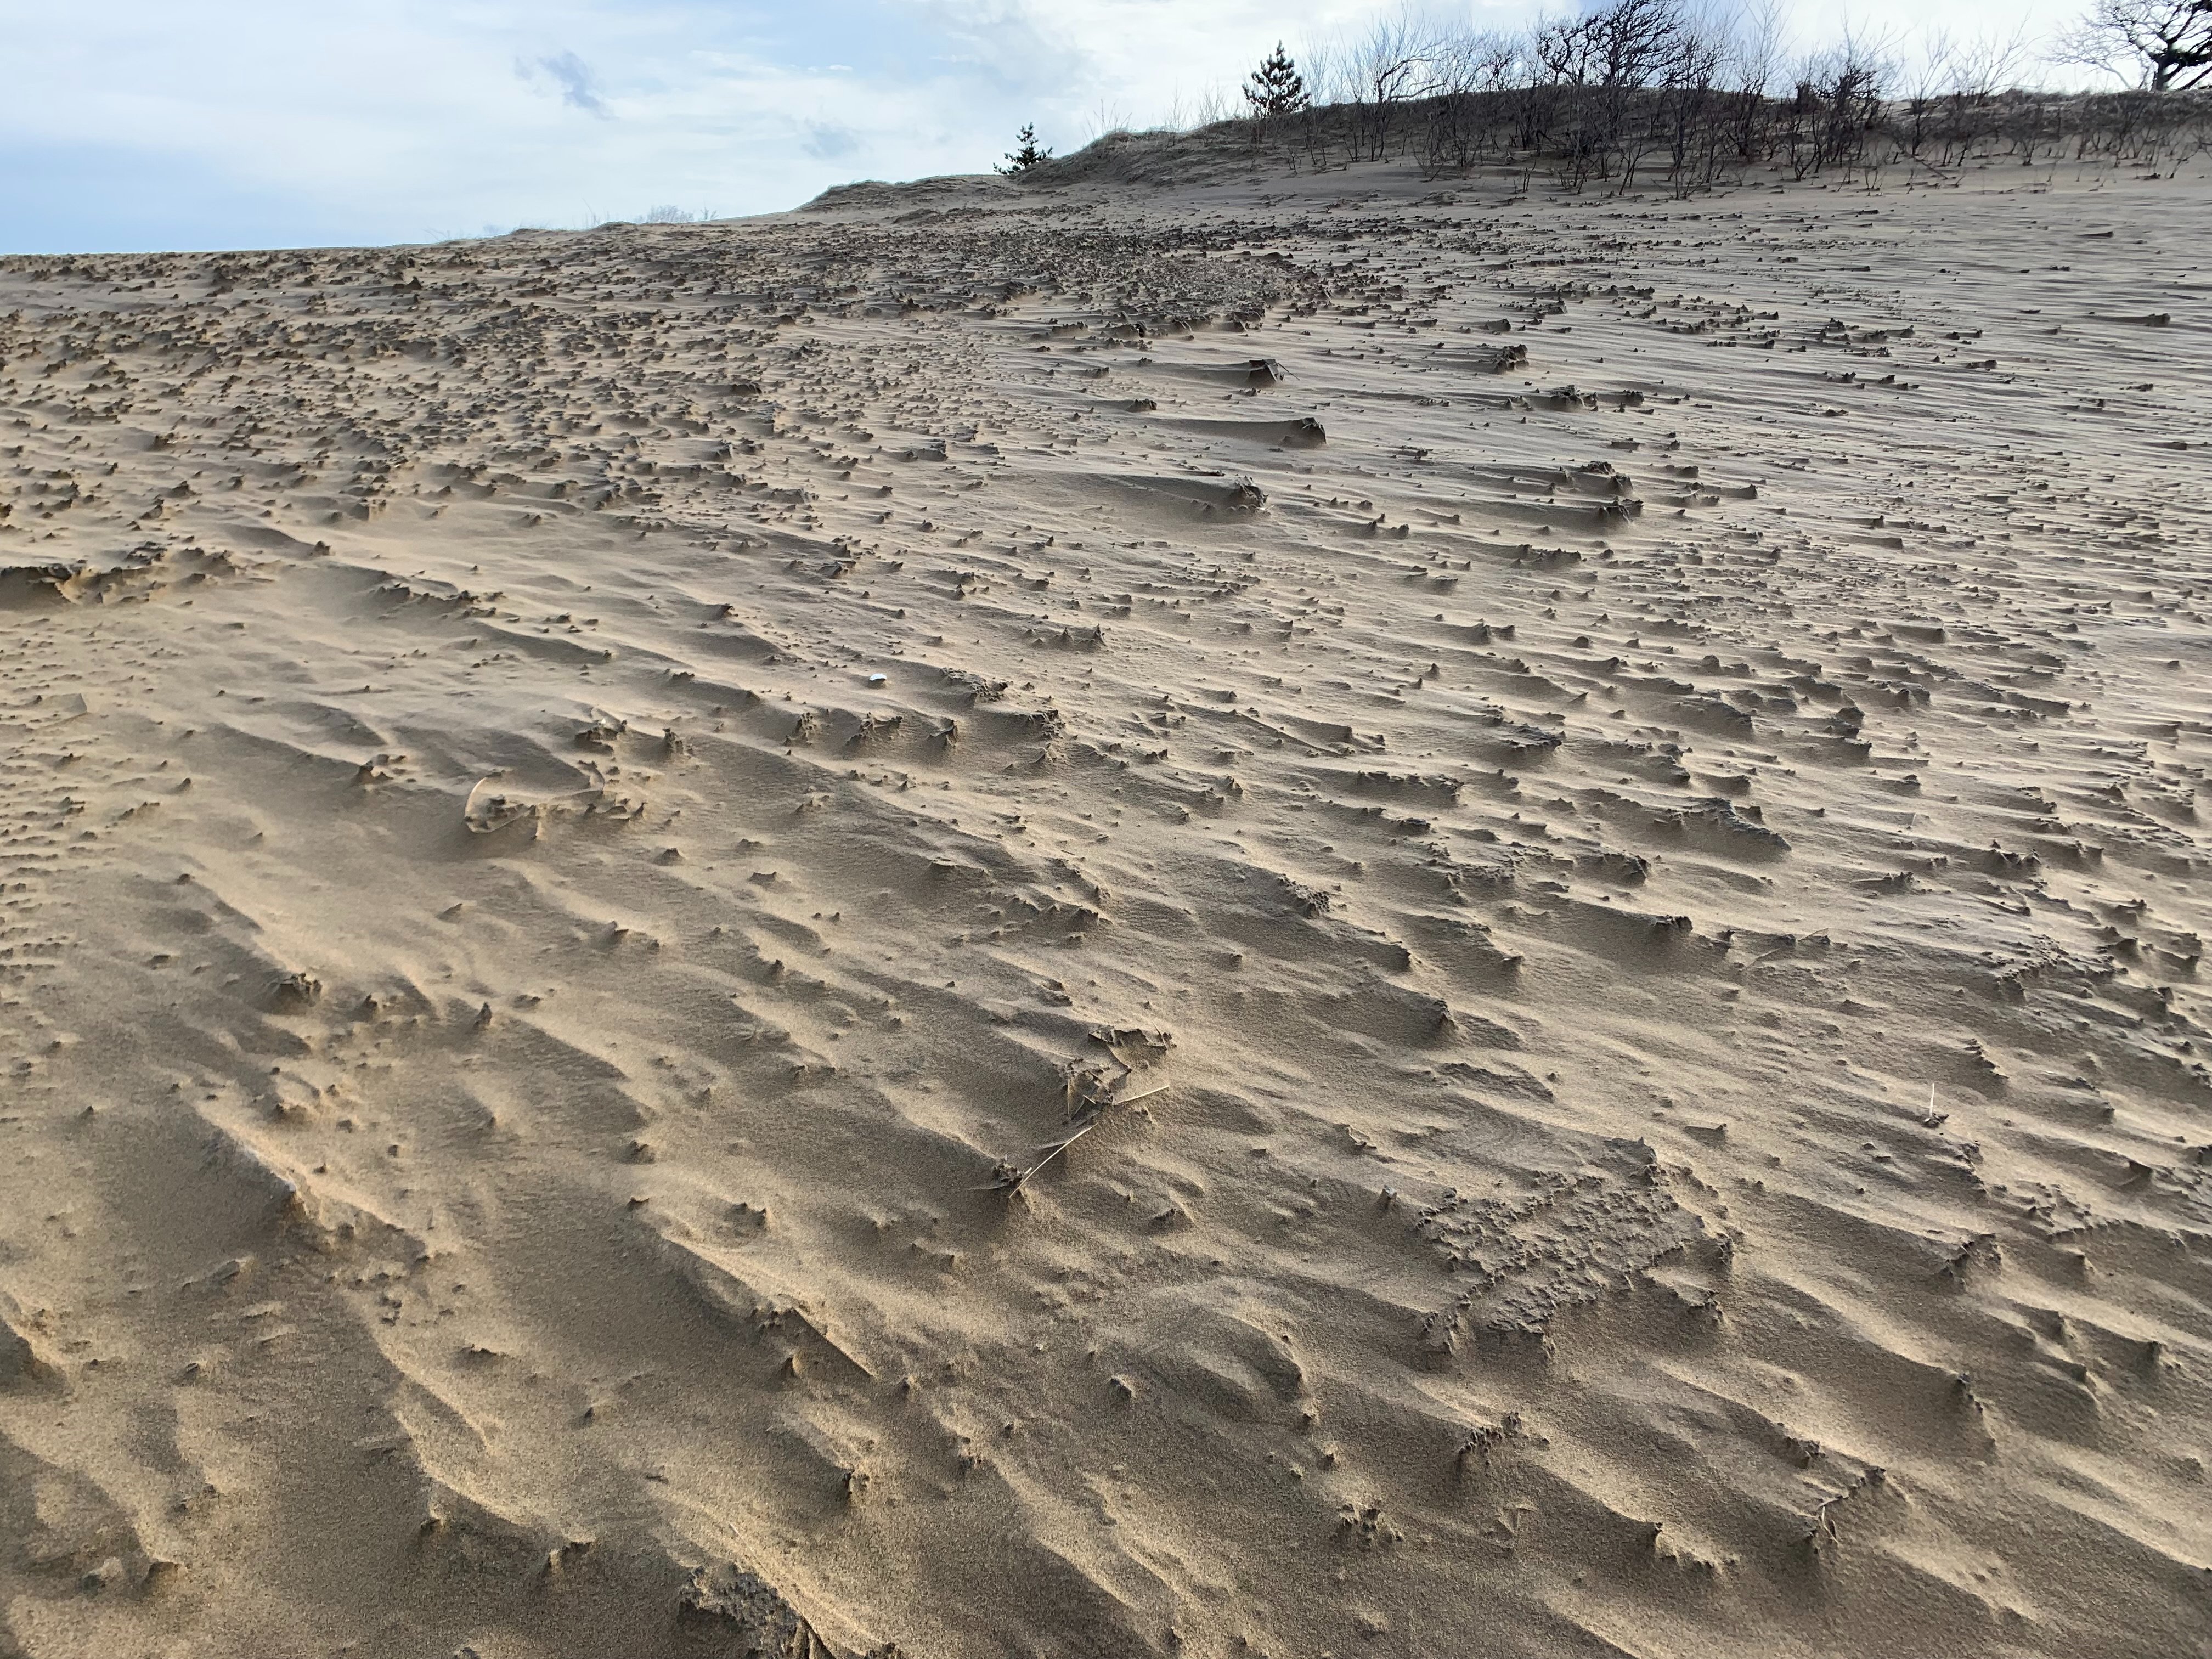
(1601, 60)
(1977, 71)
(1930, 78)
(1987, 64)
(1619, 89)
(2163, 45)
(1754, 60)
(1846, 83)
(1383, 69)
(1689, 88)
(1468, 72)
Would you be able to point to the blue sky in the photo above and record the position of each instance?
(203, 124)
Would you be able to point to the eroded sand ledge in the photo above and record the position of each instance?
(1590, 805)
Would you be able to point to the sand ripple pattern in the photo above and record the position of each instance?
(1282, 917)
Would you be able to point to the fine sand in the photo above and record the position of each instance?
(1579, 814)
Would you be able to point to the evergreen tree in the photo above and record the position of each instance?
(1019, 161)
(1276, 87)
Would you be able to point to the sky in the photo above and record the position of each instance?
(138, 125)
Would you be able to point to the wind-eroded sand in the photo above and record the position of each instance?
(1602, 849)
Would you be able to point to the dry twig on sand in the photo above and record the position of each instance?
(1092, 1089)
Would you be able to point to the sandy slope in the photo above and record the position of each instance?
(1604, 851)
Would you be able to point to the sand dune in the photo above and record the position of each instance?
(1294, 916)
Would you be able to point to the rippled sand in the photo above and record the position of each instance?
(1579, 814)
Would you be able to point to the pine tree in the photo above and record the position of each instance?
(1019, 161)
(1276, 87)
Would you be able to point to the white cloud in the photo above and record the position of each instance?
(827, 142)
(570, 74)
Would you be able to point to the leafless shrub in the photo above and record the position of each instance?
(1695, 94)
(1384, 71)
